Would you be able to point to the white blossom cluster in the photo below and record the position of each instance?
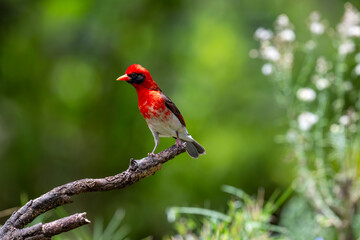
(307, 120)
(321, 101)
(316, 25)
(350, 25)
(270, 44)
(277, 50)
(321, 79)
(306, 94)
(349, 29)
(347, 121)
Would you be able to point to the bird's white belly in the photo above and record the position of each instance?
(166, 125)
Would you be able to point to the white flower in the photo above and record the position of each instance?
(346, 47)
(306, 120)
(282, 20)
(322, 83)
(349, 25)
(317, 28)
(354, 31)
(306, 94)
(287, 35)
(335, 128)
(263, 34)
(354, 116)
(267, 69)
(322, 66)
(344, 120)
(357, 69)
(271, 53)
(351, 16)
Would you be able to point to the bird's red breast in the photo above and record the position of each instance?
(151, 104)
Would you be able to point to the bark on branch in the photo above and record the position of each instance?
(138, 169)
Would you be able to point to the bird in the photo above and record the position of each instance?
(161, 114)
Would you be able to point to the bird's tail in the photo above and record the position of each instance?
(194, 149)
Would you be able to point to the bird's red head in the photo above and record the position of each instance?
(139, 77)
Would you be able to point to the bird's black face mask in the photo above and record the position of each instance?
(136, 78)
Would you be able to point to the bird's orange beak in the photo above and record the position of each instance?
(123, 78)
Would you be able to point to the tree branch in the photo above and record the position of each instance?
(138, 169)
(47, 230)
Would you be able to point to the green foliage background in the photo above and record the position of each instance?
(64, 117)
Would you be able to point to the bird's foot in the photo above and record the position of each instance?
(151, 155)
(178, 142)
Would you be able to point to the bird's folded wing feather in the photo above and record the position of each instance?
(172, 107)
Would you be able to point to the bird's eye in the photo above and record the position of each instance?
(136, 78)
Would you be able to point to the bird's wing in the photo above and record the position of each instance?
(172, 107)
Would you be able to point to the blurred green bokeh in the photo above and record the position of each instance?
(64, 117)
